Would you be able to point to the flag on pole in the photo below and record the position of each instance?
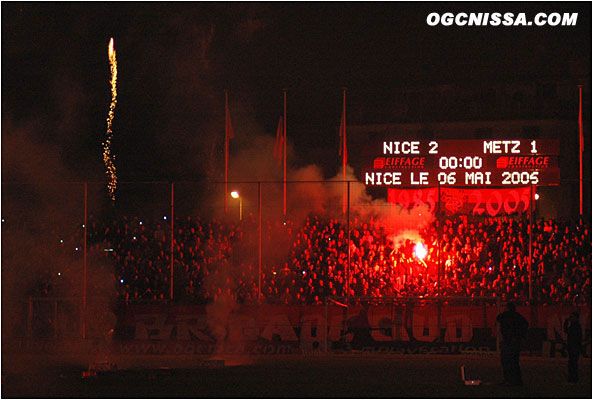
(228, 135)
(279, 145)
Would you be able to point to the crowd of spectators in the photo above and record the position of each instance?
(303, 263)
(485, 258)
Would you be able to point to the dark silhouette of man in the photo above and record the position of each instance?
(360, 327)
(513, 328)
(574, 338)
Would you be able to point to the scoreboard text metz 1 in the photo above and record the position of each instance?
(464, 163)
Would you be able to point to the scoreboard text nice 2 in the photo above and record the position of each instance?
(464, 163)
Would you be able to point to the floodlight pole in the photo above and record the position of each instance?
(240, 208)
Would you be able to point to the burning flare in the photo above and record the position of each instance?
(420, 251)
(107, 156)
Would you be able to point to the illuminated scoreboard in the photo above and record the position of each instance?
(463, 163)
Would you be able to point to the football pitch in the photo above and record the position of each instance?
(298, 376)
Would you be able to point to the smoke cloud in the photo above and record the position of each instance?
(169, 125)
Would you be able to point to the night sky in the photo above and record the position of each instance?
(176, 59)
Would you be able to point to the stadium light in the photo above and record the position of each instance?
(235, 195)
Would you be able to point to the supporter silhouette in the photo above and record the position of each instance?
(574, 338)
(360, 328)
(513, 328)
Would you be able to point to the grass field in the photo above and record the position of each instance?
(298, 376)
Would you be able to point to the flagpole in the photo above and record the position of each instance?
(226, 149)
(284, 152)
(344, 150)
(581, 145)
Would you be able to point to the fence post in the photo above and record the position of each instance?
(439, 317)
(172, 231)
(348, 222)
(55, 318)
(439, 234)
(84, 263)
(260, 245)
(497, 331)
(326, 325)
(30, 318)
(530, 238)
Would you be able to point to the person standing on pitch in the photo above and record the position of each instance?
(574, 338)
(513, 328)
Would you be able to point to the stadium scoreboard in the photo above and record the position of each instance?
(462, 163)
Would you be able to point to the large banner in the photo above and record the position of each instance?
(402, 328)
(486, 202)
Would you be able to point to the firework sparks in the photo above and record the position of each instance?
(107, 156)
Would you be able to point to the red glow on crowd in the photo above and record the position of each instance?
(304, 263)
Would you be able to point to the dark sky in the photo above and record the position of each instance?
(176, 59)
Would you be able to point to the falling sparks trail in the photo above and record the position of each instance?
(107, 156)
